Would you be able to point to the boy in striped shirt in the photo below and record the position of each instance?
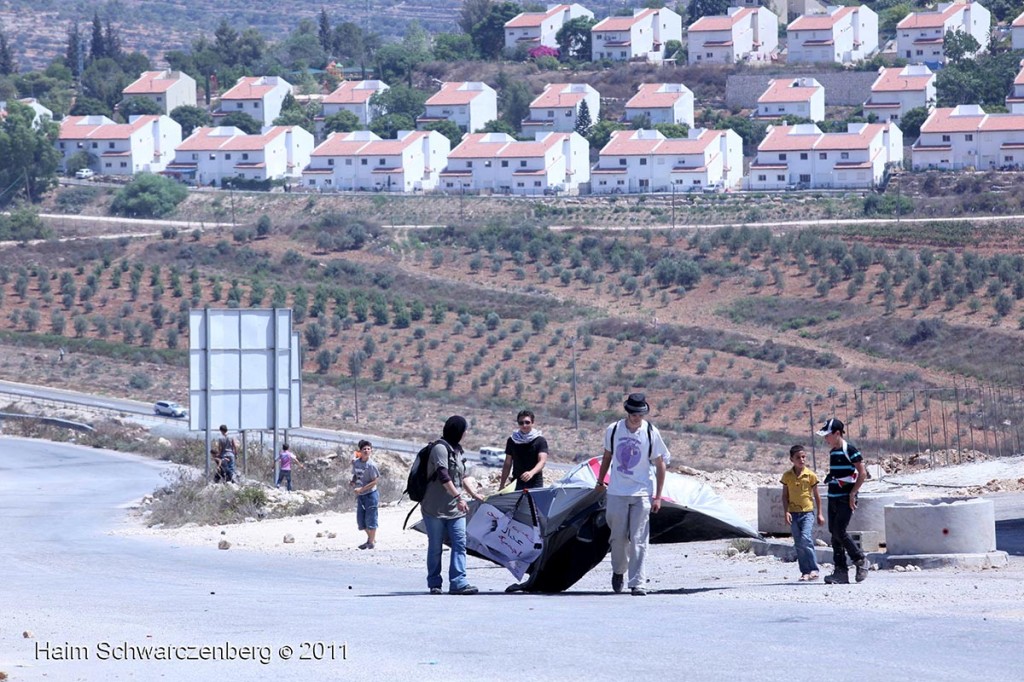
(846, 475)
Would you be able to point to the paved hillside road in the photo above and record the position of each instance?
(102, 606)
(168, 426)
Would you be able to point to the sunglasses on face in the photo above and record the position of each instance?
(525, 422)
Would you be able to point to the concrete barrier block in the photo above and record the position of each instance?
(941, 526)
(869, 517)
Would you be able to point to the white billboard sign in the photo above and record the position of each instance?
(244, 369)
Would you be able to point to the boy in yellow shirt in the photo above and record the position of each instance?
(800, 500)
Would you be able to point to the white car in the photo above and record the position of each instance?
(84, 173)
(169, 409)
(492, 457)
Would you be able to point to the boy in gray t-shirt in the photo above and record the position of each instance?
(364, 483)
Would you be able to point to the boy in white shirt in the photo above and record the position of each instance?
(635, 445)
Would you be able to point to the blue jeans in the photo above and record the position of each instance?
(455, 529)
(286, 476)
(801, 527)
(366, 510)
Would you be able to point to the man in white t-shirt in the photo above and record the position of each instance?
(631, 447)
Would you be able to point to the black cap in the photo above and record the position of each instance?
(831, 426)
(636, 403)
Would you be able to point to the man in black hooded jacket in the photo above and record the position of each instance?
(444, 509)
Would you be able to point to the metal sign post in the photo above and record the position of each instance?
(244, 371)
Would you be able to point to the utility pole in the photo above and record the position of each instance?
(673, 206)
(231, 191)
(575, 407)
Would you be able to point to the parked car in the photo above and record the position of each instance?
(492, 457)
(169, 409)
(84, 173)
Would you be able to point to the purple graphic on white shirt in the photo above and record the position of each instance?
(627, 452)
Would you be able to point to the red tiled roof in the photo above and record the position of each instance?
(80, 128)
(654, 96)
(354, 92)
(456, 93)
(1002, 123)
(933, 19)
(250, 87)
(819, 22)
(785, 139)
(532, 19)
(494, 145)
(860, 140)
(943, 121)
(249, 143)
(152, 83)
(787, 90)
(559, 95)
(894, 80)
(721, 22)
(621, 23)
(630, 143)
(344, 144)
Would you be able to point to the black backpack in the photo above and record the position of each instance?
(416, 485)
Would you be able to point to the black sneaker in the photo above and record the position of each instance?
(465, 589)
(639, 591)
(436, 590)
(837, 578)
(862, 570)
(617, 580)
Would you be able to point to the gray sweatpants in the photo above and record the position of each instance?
(628, 519)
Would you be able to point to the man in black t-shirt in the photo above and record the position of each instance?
(526, 452)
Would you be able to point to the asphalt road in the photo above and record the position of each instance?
(168, 426)
(90, 598)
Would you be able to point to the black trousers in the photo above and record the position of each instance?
(839, 515)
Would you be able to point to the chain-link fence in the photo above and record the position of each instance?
(946, 425)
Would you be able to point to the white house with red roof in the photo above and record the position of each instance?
(259, 96)
(470, 105)
(498, 163)
(647, 161)
(639, 37)
(533, 29)
(1017, 32)
(744, 34)
(40, 112)
(804, 155)
(557, 108)
(898, 90)
(967, 137)
(1015, 100)
(168, 89)
(804, 97)
(920, 36)
(842, 35)
(362, 161)
(143, 145)
(209, 156)
(661, 103)
(354, 97)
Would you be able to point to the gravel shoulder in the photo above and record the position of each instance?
(702, 570)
